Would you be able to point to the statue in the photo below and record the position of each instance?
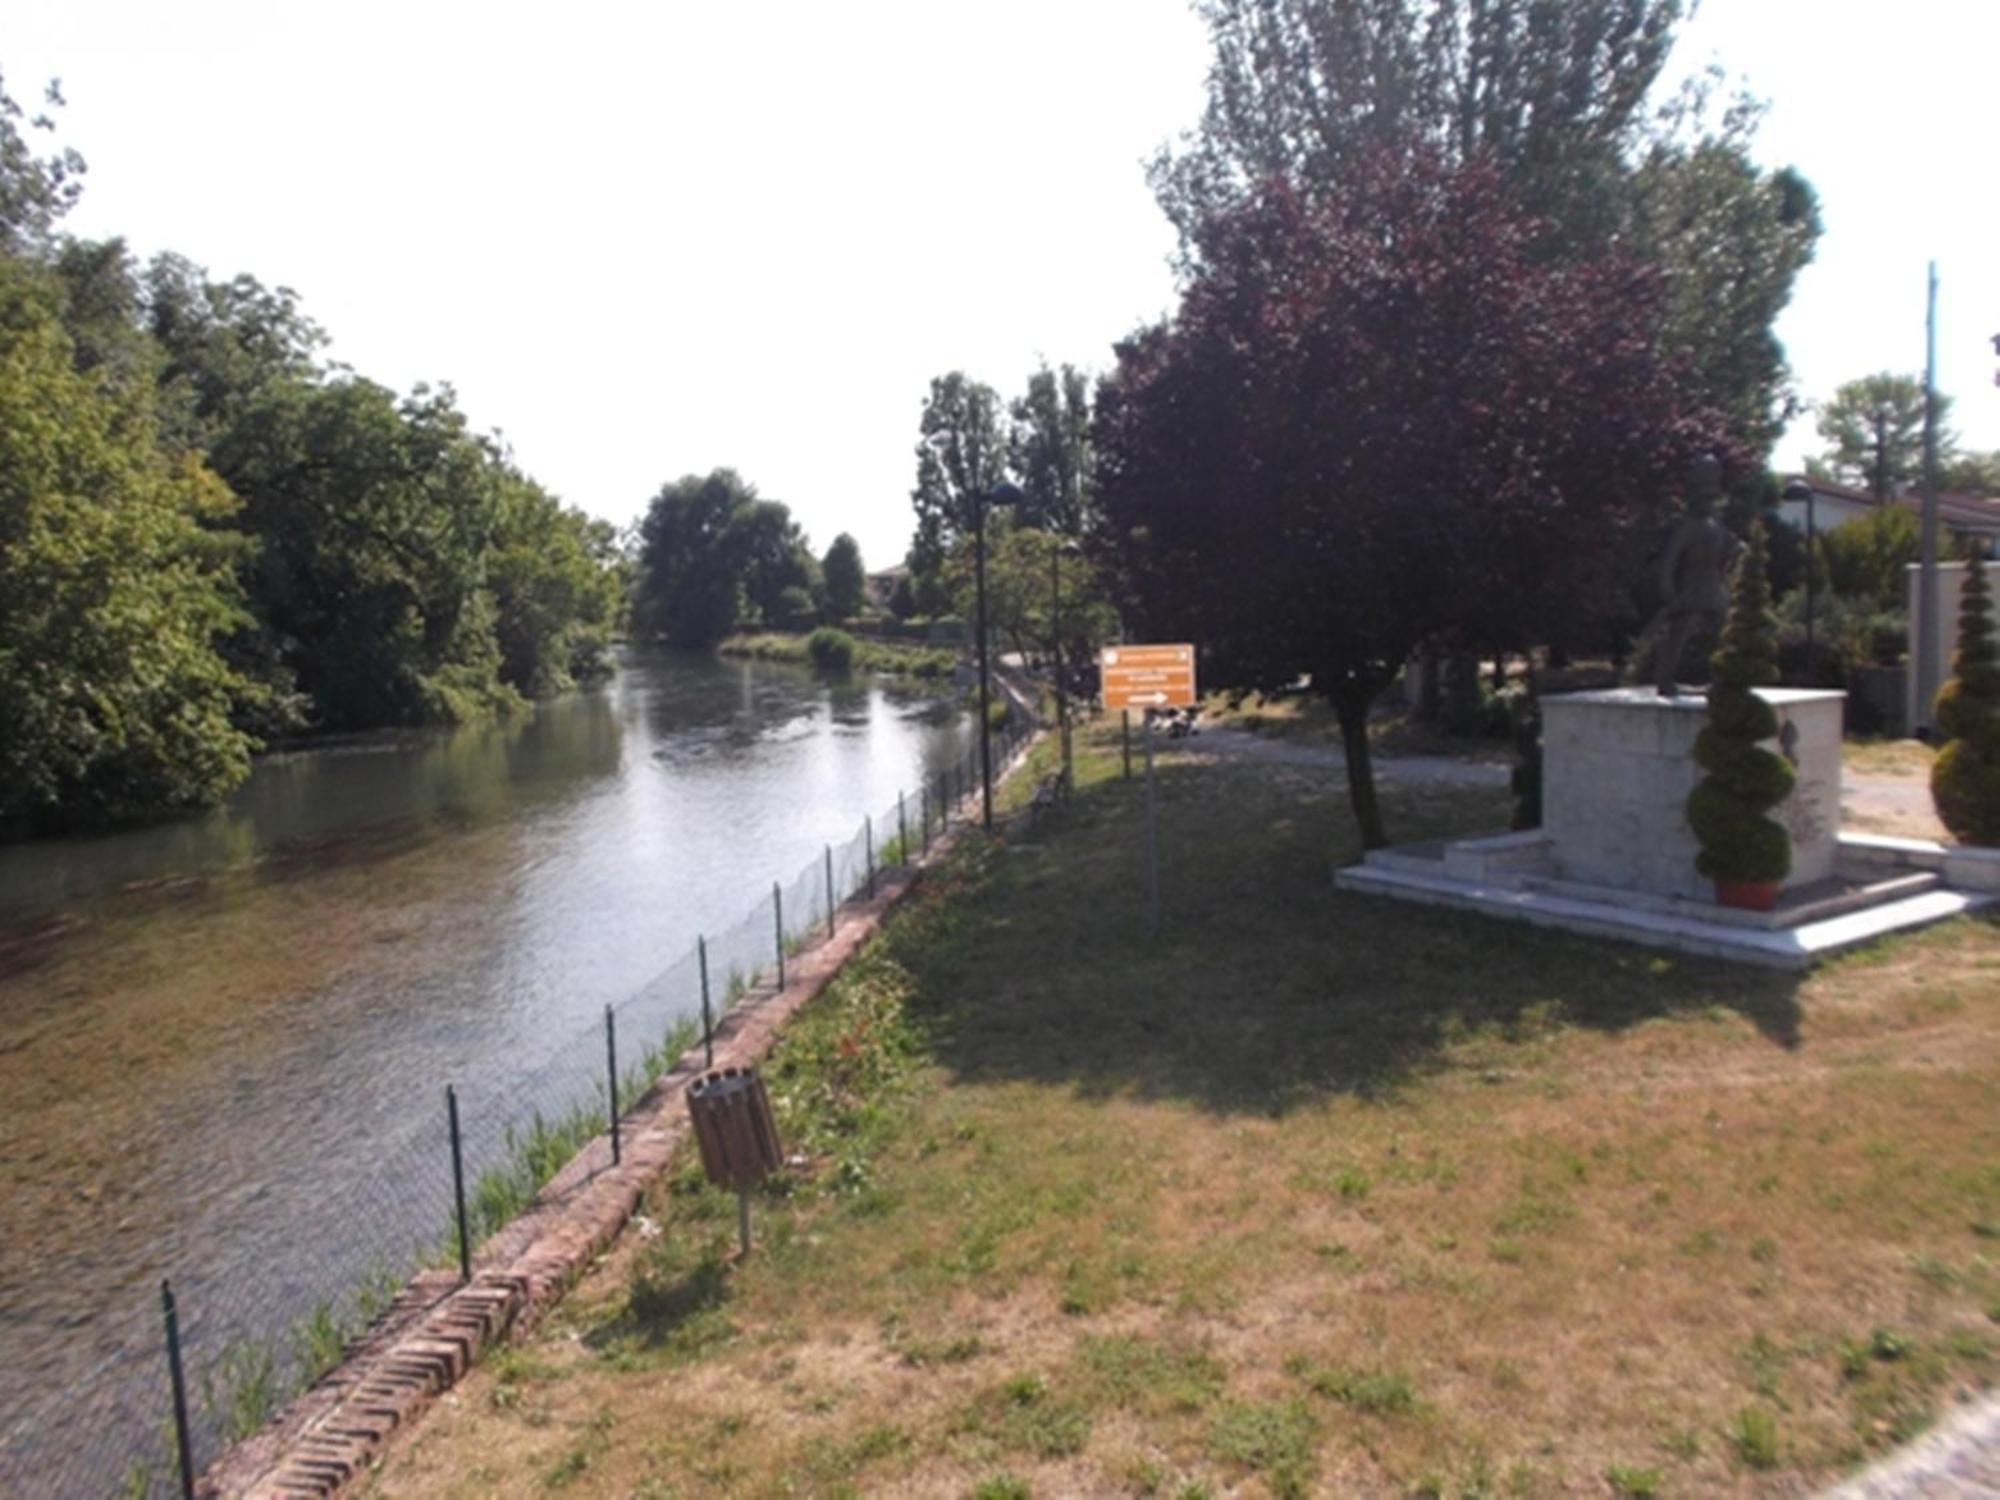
(1693, 571)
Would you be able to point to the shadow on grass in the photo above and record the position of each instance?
(1265, 984)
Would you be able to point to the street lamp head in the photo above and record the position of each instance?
(1798, 489)
(1006, 492)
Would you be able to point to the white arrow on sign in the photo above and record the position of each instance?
(1149, 697)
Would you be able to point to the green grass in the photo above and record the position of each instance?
(868, 654)
(1311, 1192)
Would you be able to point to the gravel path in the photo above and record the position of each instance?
(1958, 1459)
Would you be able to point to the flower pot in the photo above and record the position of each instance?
(1747, 895)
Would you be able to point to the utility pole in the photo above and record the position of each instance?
(1929, 638)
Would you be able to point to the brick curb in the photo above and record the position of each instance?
(436, 1329)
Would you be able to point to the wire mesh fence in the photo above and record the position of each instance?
(182, 1371)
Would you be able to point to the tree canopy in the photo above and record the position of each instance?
(1381, 415)
(712, 555)
(1874, 432)
(846, 581)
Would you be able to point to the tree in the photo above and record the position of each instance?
(1865, 558)
(1965, 778)
(709, 552)
(1727, 808)
(1555, 96)
(225, 344)
(1049, 448)
(374, 517)
(1971, 473)
(1024, 569)
(1379, 417)
(846, 582)
(114, 591)
(1303, 90)
(961, 455)
(556, 589)
(1874, 429)
(35, 191)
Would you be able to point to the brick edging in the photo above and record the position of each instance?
(436, 1330)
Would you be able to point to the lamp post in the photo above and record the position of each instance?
(1799, 489)
(1002, 493)
(1059, 549)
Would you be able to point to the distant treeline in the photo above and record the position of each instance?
(211, 537)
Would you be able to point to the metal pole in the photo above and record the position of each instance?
(868, 839)
(1152, 839)
(611, 1063)
(924, 812)
(458, 1185)
(1928, 633)
(985, 734)
(1125, 739)
(829, 890)
(1055, 634)
(902, 831)
(778, 921)
(743, 1219)
(181, 1438)
(1812, 587)
(707, 1024)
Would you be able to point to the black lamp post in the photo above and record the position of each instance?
(1002, 493)
(1799, 489)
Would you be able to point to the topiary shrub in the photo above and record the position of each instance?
(1965, 778)
(831, 650)
(1727, 808)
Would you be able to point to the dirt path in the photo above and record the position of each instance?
(1223, 743)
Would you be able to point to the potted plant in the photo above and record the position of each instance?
(1965, 780)
(1743, 851)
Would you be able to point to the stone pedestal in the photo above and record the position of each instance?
(1617, 767)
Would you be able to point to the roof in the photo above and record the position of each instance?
(1956, 511)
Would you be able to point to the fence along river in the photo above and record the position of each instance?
(224, 1042)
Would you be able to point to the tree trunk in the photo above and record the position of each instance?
(1351, 705)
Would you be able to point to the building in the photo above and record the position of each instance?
(1820, 505)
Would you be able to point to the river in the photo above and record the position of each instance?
(219, 1036)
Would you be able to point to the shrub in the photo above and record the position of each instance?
(1727, 807)
(832, 650)
(1965, 779)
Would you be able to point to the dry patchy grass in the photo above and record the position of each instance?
(1314, 1194)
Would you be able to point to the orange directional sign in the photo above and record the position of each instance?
(1147, 676)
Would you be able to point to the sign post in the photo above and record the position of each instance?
(1149, 678)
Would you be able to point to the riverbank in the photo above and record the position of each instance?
(871, 654)
(1311, 1194)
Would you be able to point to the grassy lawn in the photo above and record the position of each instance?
(1314, 1194)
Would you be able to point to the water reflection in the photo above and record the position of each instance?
(204, 1025)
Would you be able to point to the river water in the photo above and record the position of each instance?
(211, 1029)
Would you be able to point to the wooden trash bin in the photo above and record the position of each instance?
(737, 1134)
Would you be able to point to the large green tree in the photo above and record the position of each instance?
(961, 455)
(1050, 451)
(1559, 98)
(35, 190)
(846, 580)
(711, 552)
(1874, 432)
(557, 592)
(374, 516)
(114, 591)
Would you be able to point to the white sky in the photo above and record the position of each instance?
(646, 240)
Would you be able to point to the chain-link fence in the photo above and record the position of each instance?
(216, 1354)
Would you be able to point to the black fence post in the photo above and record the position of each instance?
(1125, 739)
(829, 890)
(611, 1063)
(868, 840)
(707, 1022)
(924, 812)
(458, 1185)
(902, 831)
(181, 1438)
(778, 922)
